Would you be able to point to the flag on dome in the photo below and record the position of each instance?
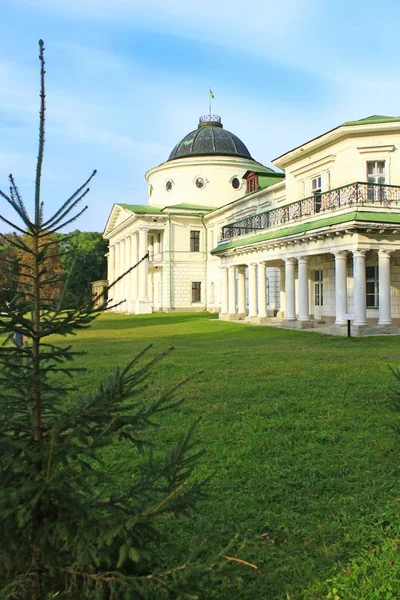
(211, 94)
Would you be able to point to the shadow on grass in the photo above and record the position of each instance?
(110, 320)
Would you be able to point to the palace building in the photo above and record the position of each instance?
(312, 242)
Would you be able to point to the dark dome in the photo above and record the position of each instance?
(209, 139)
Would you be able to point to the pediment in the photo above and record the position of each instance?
(118, 215)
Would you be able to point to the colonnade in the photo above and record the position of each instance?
(296, 307)
(133, 288)
(257, 282)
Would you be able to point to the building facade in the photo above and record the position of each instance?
(311, 243)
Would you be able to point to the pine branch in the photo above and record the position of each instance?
(62, 209)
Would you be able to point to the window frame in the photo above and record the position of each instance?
(196, 292)
(316, 191)
(318, 287)
(194, 240)
(376, 193)
(374, 280)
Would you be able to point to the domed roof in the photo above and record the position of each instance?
(210, 139)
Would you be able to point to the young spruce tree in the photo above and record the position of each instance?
(62, 534)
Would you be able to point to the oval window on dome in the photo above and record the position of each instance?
(200, 182)
(235, 183)
(168, 185)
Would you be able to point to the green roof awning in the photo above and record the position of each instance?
(370, 217)
(185, 206)
(141, 208)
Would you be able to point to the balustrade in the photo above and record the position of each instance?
(355, 194)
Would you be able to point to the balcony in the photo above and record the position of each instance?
(352, 195)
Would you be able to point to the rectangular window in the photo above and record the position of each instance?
(318, 288)
(316, 189)
(195, 241)
(372, 280)
(196, 291)
(376, 173)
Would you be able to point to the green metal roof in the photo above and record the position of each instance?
(210, 139)
(141, 208)
(370, 217)
(186, 206)
(267, 179)
(372, 119)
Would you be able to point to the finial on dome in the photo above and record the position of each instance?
(210, 120)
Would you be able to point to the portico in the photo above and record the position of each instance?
(335, 282)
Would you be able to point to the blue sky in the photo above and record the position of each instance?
(127, 79)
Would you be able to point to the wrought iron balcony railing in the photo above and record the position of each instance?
(354, 194)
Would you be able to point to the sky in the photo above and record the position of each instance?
(127, 79)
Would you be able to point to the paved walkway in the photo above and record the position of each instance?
(319, 328)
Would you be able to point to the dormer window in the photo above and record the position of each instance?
(251, 181)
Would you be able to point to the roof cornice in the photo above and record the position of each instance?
(219, 160)
(335, 135)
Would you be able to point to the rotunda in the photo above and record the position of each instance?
(205, 168)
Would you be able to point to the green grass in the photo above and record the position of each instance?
(297, 437)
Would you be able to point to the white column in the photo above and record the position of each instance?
(232, 290)
(123, 280)
(252, 290)
(224, 290)
(111, 263)
(385, 313)
(134, 260)
(282, 292)
(128, 291)
(340, 287)
(304, 303)
(262, 290)
(144, 265)
(290, 290)
(143, 303)
(115, 290)
(360, 305)
(242, 291)
(151, 247)
(157, 244)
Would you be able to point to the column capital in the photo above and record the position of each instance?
(242, 269)
(341, 254)
(303, 260)
(290, 261)
(385, 253)
(224, 268)
(252, 264)
(359, 252)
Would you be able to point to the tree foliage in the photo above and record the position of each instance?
(9, 270)
(65, 533)
(84, 260)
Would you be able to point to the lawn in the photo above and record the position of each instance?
(298, 442)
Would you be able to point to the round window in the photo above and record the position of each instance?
(199, 182)
(235, 183)
(168, 186)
